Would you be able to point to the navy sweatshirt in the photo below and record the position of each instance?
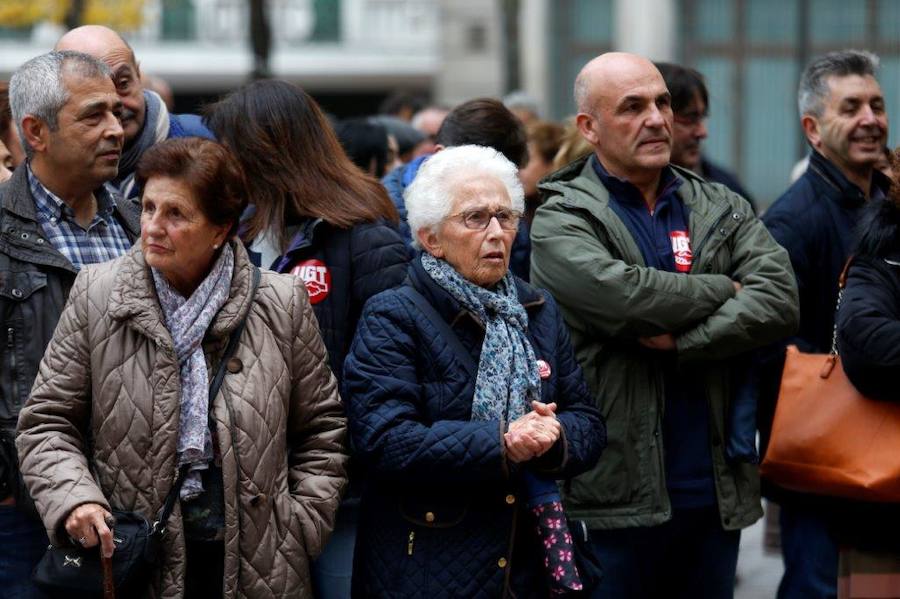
(663, 237)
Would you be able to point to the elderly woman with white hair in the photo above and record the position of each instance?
(466, 404)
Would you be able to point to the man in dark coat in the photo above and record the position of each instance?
(56, 215)
(842, 112)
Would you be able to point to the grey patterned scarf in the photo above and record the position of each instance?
(155, 130)
(187, 321)
(508, 378)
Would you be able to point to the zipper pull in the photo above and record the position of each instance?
(409, 544)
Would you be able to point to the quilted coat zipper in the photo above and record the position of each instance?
(409, 544)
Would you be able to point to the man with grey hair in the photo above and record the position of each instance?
(56, 216)
(842, 112)
(664, 280)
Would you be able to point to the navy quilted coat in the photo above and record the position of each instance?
(443, 510)
(342, 268)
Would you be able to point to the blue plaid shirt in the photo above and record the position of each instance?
(102, 240)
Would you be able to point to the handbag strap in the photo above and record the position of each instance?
(842, 283)
(159, 527)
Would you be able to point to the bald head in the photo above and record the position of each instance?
(625, 112)
(607, 69)
(96, 40)
(108, 46)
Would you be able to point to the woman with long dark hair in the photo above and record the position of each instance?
(318, 217)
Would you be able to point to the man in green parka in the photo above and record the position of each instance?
(666, 282)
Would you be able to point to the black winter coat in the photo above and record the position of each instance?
(869, 318)
(443, 510)
(869, 345)
(342, 268)
(34, 284)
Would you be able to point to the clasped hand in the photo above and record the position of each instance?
(533, 434)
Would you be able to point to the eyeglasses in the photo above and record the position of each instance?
(480, 218)
(691, 119)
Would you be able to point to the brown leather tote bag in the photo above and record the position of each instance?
(829, 439)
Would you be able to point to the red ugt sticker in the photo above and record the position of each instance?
(681, 248)
(317, 278)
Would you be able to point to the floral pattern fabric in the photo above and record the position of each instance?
(559, 550)
(187, 320)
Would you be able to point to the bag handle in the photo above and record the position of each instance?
(159, 527)
(831, 361)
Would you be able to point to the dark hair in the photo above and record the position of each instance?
(294, 164)
(208, 168)
(546, 137)
(364, 141)
(683, 83)
(485, 122)
(399, 101)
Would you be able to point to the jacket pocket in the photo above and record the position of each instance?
(434, 512)
(18, 286)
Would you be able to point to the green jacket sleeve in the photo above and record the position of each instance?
(611, 297)
(765, 310)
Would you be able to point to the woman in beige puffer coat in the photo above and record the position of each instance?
(111, 374)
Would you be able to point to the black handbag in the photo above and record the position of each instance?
(77, 572)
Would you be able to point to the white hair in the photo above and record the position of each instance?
(429, 197)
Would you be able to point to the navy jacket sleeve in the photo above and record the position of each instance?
(869, 328)
(388, 407)
(584, 431)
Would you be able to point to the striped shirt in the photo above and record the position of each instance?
(102, 240)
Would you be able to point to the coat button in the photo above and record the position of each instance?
(510, 499)
(429, 516)
(234, 365)
(40, 241)
(258, 499)
(501, 562)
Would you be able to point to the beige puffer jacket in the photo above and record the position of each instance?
(111, 366)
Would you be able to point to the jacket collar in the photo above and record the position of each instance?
(583, 190)
(19, 201)
(448, 306)
(133, 297)
(848, 193)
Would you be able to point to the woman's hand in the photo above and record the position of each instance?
(533, 434)
(89, 524)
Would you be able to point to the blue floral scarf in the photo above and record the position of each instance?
(508, 378)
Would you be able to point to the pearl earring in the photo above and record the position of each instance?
(215, 246)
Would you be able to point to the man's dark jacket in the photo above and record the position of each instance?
(443, 504)
(815, 221)
(34, 283)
